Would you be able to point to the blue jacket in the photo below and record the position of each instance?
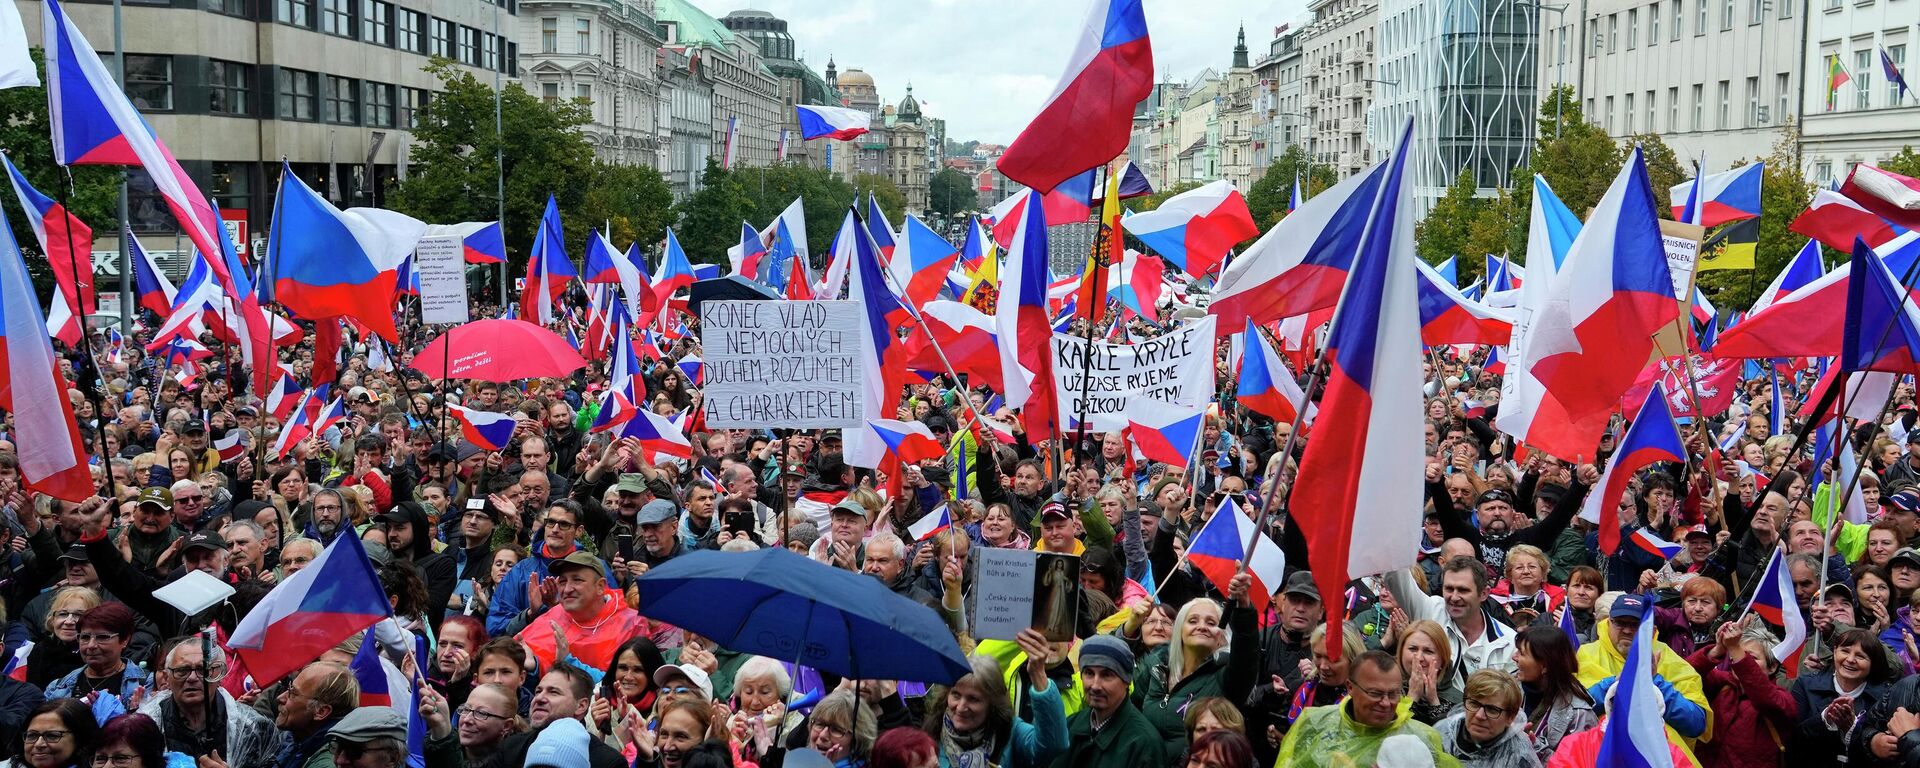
(1039, 742)
(510, 595)
(132, 679)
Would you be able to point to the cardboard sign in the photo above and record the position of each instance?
(443, 282)
(1174, 368)
(786, 364)
(1017, 589)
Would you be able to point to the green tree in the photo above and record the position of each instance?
(893, 202)
(94, 197)
(710, 218)
(1663, 168)
(453, 171)
(1784, 193)
(1270, 195)
(771, 189)
(949, 193)
(1907, 163)
(1159, 197)
(634, 203)
(1577, 158)
(1447, 229)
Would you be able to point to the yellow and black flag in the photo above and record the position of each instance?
(1732, 247)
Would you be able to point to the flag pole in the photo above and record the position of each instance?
(93, 387)
(1096, 306)
(1844, 437)
(272, 270)
(1315, 378)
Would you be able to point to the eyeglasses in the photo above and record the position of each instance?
(328, 508)
(185, 499)
(830, 729)
(480, 714)
(678, 690)
(1487, 710)
(97, 637)
(208, 673)
(1394, 695)
(64, 615)
(100, 759)
(562, 524)
(50, 737)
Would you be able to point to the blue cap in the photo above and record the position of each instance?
(1629, 606)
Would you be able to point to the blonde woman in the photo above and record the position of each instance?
(1214, 652)
(52, 658)
(1426, 656)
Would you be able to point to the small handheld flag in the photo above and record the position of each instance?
(490, 431)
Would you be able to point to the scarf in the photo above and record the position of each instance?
(966, 750)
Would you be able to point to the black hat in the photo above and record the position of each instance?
(1493, 494)
(207, 540)
(76, 553)
(1301, 584)
(193, 427)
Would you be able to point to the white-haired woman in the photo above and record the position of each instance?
(761, 689)
(1214, 652)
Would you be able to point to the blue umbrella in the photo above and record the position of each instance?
(774, 603)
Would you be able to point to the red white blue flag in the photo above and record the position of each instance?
(335, 596)
(490, 431)
(1653, 437)
(1089, 117)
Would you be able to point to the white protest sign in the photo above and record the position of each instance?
(1174, 368)
(443, 283)
(1003, 593)
(786, 364)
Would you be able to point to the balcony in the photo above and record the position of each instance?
(1356, 55)
(1354, 90)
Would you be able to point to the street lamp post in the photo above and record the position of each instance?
(1559, 61)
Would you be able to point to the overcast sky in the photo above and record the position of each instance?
(985, 65)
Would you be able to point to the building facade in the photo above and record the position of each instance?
(690, 138)
(1237, 116)
(1463, 71)
(332, 86)
(746, 100)
(1340, 72)
(1279, 120)
(1868, 118)
(605, 52)
(1718, 78)
(797, 82)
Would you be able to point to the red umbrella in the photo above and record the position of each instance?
(497, 350)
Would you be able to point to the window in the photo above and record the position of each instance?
(1650, 113)
(1629, 127)
(414, 100)
(336, 17)
(1726, 105)
(583, 30)
(469, 46)
(1757, 11)
(1613, 32)
(1699, 107)
(1726, 15)
(1608, 125)
(441, 42)
(230, 7)
(150, 82)
(1700, 17)
(1673, 109)
(549, 92)
(1863, 66)
(1653, 24)
(512, 59)
(1898, 55)
(1679, 14)
(1786, 8)
(1781, 107)
(1833, 5)
(490, 53)
(227, 87)
(299, 13)
(1823, 172)
(376, 24)
(1633, 29)
(1563, 44)
(299, 95)
(1755, 114)
(342, 104)
(379, 105)
(231, 185)
(549, 35)
(1593, 34)
(412, 26)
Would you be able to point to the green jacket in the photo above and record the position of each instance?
(1327, 737)
(1127, 741)
(1229, 675)
(1569, 552)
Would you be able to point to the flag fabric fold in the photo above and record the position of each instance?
(1089, 117)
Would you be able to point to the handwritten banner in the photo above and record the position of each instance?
(785, 364)
(1175, 368)
(443, 282)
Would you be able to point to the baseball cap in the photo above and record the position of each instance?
(364, 724)
(207, 540)
(1907, 555)
(631, 482)
(1699, 531)
(359, 393)
(160, 497)
(1905, 501)
(1628, 606)
(1054, 510)
(694, 676)
(467, 450)
(76, 553)
(578, 559)
(656, 511)
(1301, 584)
(193, 427)
(848, 506)
(1840, 587)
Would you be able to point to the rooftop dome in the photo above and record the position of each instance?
(854, 76)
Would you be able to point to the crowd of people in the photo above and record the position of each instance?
(1501, 646)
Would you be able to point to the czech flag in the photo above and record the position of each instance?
(1810, 321)
(692, 367)
(1220, 546)
(967, 337)
(1595, 332)
(1654, 545)
(880, 229)
(1072, 201)
(1806, 267)
(490, 431)
(657, 434)
(1089, 117)
(1502, 274)
(1722, 197)
(931, 523)
(283, 397)
(749, 257)
(1653, 437)
(233, 445)
(1133, 182)
(1835, 220)
(1774, 601)
(548, 268)
(333, 263)
(334, 413)
(1635, 734)
(1301, 264)
(921, 262)
(66, 241)
(155, 290)
(311, 611)
(1020, 319)
(1449, 270)
(908, 441)
(480, 241)
(885, 359)
(1266, 386)
(1448, 317)
(381, 683)
(1137, 283)
(675, 271)
(1358, 478)
(1888, 195)
(1882, 331)
(820, 122)
(1194, 229)
(45, 436)
(1165, 433)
